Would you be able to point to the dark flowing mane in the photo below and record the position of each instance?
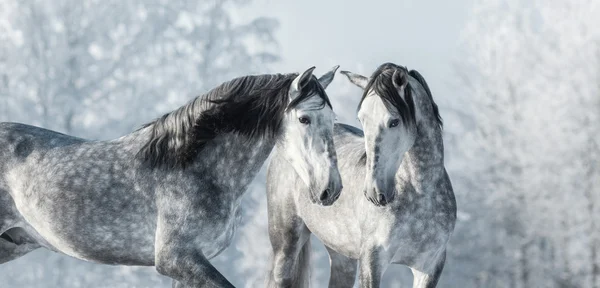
(253, 106)
(381, 82)
(436, 112)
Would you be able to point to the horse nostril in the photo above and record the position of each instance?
(324, 195)
(382, 199)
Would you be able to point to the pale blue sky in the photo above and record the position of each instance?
(360, 35)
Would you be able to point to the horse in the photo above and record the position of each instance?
(397, 205)
(168, 194)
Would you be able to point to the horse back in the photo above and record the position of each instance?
(21, 139)
(86, 199)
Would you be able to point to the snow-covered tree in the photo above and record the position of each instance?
(532, 69)
(71, 62)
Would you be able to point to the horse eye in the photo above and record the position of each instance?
(304, 120)
(394, 123)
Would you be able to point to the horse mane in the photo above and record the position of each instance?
(381, 82)
(253, 106)
(436, 112)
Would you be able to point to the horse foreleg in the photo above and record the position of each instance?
(289, 237)
(177, 256)
(291, 260)
(13, 241)
(189, 268)
(372, 264)
(291, 248)
(177, 284)
(429, 280)
(10, 251)
(343, 270)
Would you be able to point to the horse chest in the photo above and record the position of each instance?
(420, 229)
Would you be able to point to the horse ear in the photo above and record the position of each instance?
(302, 79)
(356, 79)
(400, 79)
(326, 79)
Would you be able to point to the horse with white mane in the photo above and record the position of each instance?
(397, 205)
(168, 194)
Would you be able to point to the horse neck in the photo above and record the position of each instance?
(134, 140)
(232, 161)
(423, 164)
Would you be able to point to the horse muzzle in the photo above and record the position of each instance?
(332, 191)
(378, 196)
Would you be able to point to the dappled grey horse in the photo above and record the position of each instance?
(397, 205)
(166, 195)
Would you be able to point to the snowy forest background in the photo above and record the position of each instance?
(517, 82)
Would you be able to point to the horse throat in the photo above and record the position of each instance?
(424, 162)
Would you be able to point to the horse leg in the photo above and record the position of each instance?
(289, 236)
(291, 260)
(188, 267)
(372, 264)
(13, 241)
(177, 284)
(343, 270)
(176, 253)
(429, 280)
(9, 250)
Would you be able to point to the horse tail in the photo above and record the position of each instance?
(302, 278)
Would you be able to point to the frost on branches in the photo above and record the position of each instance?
(531, 71)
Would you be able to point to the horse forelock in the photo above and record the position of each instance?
(382, 84)
(312, 88)
(252, 106)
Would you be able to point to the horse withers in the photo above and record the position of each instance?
(397, 205)
(166, 195)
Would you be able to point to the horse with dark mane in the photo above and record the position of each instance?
(397, 204)
(166, 195)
